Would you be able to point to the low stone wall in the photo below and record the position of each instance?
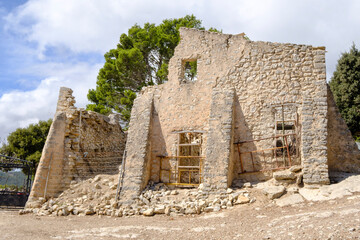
(80, 145)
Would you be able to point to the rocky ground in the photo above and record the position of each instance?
(269, 211)
(328, 219)
(97, 196)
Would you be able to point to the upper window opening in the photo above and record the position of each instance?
(190, 71)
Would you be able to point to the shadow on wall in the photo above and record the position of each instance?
(343, 151)
(249, 164)
(158, 146)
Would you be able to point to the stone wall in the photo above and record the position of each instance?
(137, 163)
(219, 161)
(264, 77)
(80, 145)
(343, 154)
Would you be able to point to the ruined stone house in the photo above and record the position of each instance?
(80, 145)
(251, 109)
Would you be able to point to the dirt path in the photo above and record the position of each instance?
(334, 219)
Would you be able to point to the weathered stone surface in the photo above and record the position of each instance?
(296, 168)
(159, 209)
(242, 89)
(344, 188)
(219, 160)
(149, 212)
(289, 200)
(247, 185)
(242, 200)
(343, 154)
(138, 155)
(274, 191)
(284, 175)
(80, 145)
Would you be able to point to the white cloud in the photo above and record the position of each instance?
(82, 25)
(20, 108)
(93, 26)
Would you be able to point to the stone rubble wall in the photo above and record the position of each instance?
(343, 153)
(219, 161)
(269, 74)
(49, 173)
(236, 96)
(264, 76)
(80, 145)
(137, 163)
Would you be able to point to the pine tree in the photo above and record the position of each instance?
(345, 85)
(140, 59)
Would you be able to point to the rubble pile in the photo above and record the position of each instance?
(97, 196)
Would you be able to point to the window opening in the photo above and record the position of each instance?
(190, 71)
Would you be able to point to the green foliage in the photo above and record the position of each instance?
(12, 179)
(345, 85)
(127, 102)
(190, 70)
(27, 143)
(140, 59)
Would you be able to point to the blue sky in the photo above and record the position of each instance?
(46, 44)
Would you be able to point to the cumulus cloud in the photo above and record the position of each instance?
(94, 26)
(20, 108)
(83, 25)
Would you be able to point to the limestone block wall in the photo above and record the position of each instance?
(268, 74)
(263, 76)
(80, 145)
(343, 154)
(137, 163)
(219, 161)
(94, 144)
(48, 178)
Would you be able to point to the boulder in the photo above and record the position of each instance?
(190, 210)
(174, 192)
(167, 210)
(289, 200)
(149, 212)
(247, 185)
(284, 175)
(233, 196)
(242, 200)
(89, 211)
(274, 191)
(217, 208)
(296, 168)
(209, 209)
(159, 209)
